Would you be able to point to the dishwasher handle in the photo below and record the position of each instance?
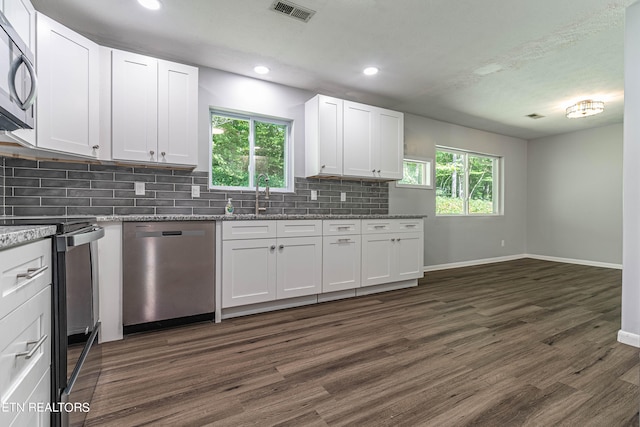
(172, 233)
(168, 233)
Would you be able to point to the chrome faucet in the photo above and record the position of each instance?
(266, 191)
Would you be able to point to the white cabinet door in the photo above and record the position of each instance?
(409, 250)
(341, 262)
(378, 259)
(22, 17)
(299, 270)
(177, 113)
(134, 107)
(390, 144)
(248, 272)
(323, 136)
(69, 86)
(359, 143)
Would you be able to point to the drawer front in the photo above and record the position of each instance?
(299, 228)
(25, 270)
(409, 225)
(370, 226)
(240, 230)
(25, 347)
(336, 227)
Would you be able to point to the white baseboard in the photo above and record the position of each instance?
(472, 262)
(520, 256)
(628, 338)
(575, 261)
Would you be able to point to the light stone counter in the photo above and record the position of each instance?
(139, 218)
(11, 235)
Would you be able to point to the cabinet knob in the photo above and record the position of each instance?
(373, 170)
(398, 239)
(164, 153)
(273, 247)
(281, 247)
(378, 170)
(393, 240)
(95, 147)
(152, 152)
(323, 166)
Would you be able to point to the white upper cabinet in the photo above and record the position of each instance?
(68, 95)
(134, 107)
(154, 110)
(22, 17)
(177, 113)
(344, 138)
(323, 136)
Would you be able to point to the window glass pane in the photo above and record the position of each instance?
(413, 173)
(450, 182)
(270, 143)
(481, 185)
(230, 152)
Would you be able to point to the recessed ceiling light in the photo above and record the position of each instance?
(370, 71)
(261, 69)
(151, 4)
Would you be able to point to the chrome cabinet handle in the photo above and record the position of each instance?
(378, 170)
(373, 170)
(393, 240)
(378, 226)
(344, 240)
(32, 272)
(323, 166)
(343, 227)
(272, 247)
(398, 239)
(95, 147)
(152, 152)
(281, 247)
(410, 225)
(29, 354)
(164, 153)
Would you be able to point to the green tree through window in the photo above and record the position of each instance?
(243, 147)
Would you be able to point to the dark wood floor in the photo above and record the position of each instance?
(524, 342)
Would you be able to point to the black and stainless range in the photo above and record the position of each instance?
(76, 355)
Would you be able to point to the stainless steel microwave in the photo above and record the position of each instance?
(18, 83)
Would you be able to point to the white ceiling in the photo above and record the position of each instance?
(431, 53)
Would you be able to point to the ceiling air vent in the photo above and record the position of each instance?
(292, 10)
(535, 116)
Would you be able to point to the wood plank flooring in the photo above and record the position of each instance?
(524, 342)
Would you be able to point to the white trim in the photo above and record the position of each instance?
(472, 262)
(628, 338)
(575, 261)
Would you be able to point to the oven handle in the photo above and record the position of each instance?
(78, 239)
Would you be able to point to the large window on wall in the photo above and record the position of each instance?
(245, 146)
(467, 183)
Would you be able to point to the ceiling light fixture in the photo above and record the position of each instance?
(584, 109)
(370, 71)
(151, 4)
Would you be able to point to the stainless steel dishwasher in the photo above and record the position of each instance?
(169, 270)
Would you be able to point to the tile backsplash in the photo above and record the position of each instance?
(39, 187)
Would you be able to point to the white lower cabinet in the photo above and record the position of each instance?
(248, 271)
(341, 262)
(299, 271)
(378, 258)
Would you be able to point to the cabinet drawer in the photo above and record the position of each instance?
(301, 228)
(409, 225)
(336, 227)
(25, 270)
(25, 347)
(240, 230)
(370, 226)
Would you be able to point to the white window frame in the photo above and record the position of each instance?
(288, 150)
(498, 182)
(428, 173)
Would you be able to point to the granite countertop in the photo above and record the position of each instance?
(134, 218)
(11, 235)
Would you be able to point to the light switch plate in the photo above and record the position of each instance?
(314, 194)
(343, 196)
(139, 186)
(195, 191)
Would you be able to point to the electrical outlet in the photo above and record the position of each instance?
(343, 196)
(314, 194)
(502, 243)
(195, 191)
(139, 187)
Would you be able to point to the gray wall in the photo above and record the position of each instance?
(631, 212)
(451, 239)
(574, 195)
